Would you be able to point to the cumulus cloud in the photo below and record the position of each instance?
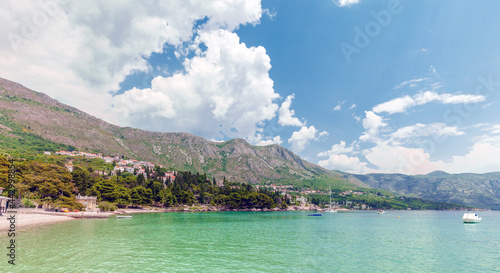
(77, 51)
(436, 130)
(274, 140)
(400, 105)
(225, 90)
(482, 157)
(300, 139)
(286, 115)
(345, 163)
(372, 124)
(399, 159)
(324, 134)
(337, 149)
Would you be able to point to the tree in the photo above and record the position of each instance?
(141, 196)
(156, 188)
(140, 180)
(50, 180)
(82, 179)
(167, 198)
(111, 191)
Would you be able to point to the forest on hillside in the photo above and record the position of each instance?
(53, 185)
(44, 180)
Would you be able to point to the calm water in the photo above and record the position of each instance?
(398, 241)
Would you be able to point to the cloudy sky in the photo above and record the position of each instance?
(355, 85)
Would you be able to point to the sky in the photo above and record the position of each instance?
(352, 85)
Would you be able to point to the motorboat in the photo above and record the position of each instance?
(470, 217)
(381, 211)
(123, 216)
(315, 214)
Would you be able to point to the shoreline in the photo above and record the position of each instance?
(27, 219)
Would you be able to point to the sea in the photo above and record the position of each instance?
(354, 241)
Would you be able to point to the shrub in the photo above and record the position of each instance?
(67, 202)
(28, 203)
(106, 206)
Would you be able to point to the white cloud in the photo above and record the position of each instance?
(435, 130)
(338, 107)
(352, 106)
(345, 163)
(411, 83)
(371, 123)
(400, 105)
(225, 90)
(493, 129)
(275, 140)
(345, 3)
(300, 139)
(77, 51)
(286, 115)
(399, 159)
(481, 158)
(337, 149)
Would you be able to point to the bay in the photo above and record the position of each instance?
(356, 241)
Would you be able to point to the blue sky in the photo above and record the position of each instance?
(358, 86)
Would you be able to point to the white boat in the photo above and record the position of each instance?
(470, 217)
(380, 211)
(123, 216)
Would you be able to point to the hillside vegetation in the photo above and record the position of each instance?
(32, 122)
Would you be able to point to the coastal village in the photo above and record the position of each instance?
(296, 197)
(139, 167)
(121, 165)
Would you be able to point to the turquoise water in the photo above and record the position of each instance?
(398, 241)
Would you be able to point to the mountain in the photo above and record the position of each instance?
(32, 121)
(476, 190)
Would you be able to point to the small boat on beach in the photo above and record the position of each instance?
(123, 216)
(471, 218)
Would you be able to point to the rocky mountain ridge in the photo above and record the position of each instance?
(24, 111)
(476, 190)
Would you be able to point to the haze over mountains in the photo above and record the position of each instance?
(477, 190)
(24, 111)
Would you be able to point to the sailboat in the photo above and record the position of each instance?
(331, 209)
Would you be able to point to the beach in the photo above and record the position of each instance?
(24, 220)
(28, 218)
